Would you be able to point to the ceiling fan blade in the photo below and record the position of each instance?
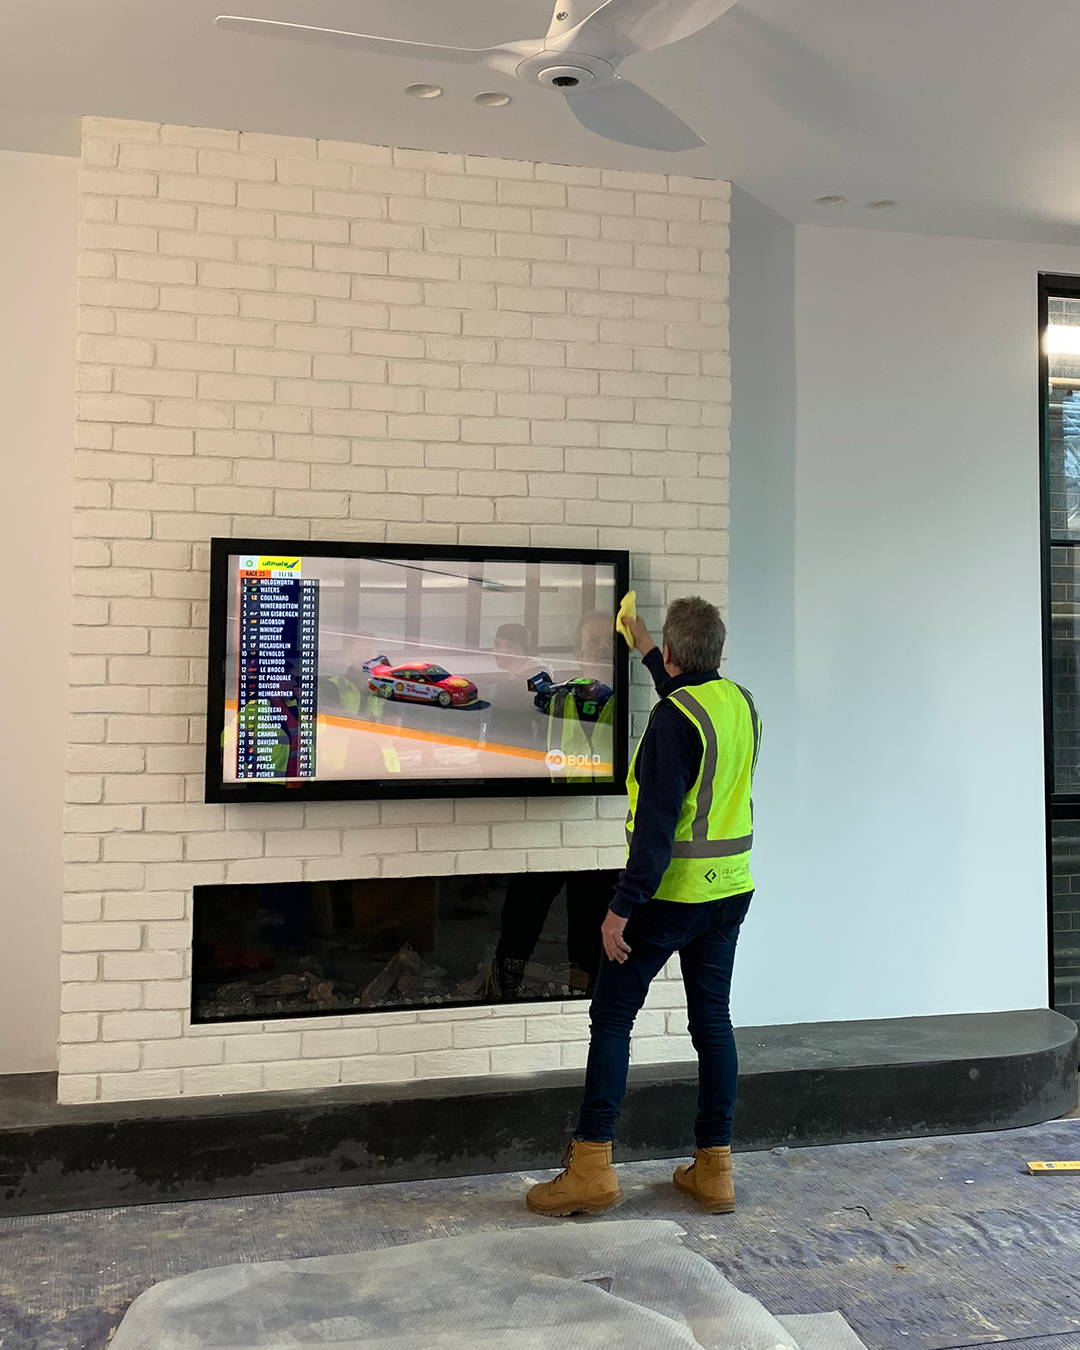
(622, 111)
(644, 25)
(378, 46)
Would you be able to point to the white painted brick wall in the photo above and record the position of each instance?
(288, 337)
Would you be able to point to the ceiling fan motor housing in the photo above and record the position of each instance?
(565, 77)
(566, 72)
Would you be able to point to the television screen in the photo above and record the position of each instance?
(353, 670)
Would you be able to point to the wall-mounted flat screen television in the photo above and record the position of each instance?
(376, 670)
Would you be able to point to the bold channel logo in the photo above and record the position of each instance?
(557, 760)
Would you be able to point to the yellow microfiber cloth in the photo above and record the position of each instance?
(627, 610)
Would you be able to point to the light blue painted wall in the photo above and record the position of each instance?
(885, 606)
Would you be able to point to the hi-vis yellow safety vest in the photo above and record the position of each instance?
(710, 856)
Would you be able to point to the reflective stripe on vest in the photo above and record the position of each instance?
(710, 856)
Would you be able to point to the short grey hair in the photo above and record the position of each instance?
(694, 633)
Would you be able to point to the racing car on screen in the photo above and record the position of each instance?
(418, 682)
(589, 696)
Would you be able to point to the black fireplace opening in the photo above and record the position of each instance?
(301, 949)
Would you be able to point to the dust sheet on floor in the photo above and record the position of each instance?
(633, 1284)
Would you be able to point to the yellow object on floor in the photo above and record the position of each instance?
(627, 610)
(1038, 1168)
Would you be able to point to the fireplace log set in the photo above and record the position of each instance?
(406, 980)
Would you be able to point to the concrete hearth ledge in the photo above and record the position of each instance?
(812, 1083)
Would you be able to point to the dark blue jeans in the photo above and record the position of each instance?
(705, 936)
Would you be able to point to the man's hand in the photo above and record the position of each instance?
(612, 934)
(642, 637)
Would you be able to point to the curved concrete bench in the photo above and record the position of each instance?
(815, 1083)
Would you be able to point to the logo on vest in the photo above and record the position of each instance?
(710, 875)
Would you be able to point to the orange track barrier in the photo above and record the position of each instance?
(434, 738)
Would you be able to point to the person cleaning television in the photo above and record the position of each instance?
(686, 888)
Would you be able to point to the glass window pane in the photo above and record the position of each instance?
(1065, 666)
(1063, 419)
(1065, 870)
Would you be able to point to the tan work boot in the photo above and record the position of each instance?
(587, 1185)
(708, 1179)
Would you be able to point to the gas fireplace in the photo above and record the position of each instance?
(300, 949)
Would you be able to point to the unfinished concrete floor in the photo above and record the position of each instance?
(931, 1244)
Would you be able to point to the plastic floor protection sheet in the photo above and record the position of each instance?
(582, 1286)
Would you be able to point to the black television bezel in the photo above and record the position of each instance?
(362, 789)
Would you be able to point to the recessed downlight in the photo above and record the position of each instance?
(831, 199)
(424, 90)
(882, 204)
(492, 99)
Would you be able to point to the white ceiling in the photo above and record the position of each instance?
(966, 111)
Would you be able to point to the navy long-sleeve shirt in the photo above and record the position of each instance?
(667, 766)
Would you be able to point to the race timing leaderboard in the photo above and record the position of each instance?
(278, 654)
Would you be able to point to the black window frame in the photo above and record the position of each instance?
(1060, 806)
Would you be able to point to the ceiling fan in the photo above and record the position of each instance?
(578, 57)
